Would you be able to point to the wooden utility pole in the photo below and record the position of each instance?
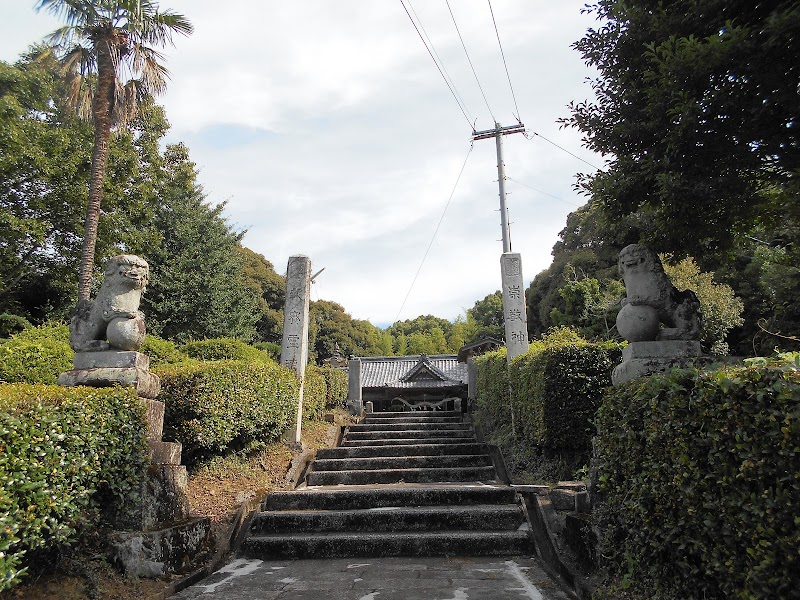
(514, 309)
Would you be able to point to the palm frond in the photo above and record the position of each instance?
(76, 13)
(79, 96)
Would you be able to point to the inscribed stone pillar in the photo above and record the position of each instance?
(294, 348)
(514, 310)
(354, 399)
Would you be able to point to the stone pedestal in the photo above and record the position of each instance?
(640, 359)
(113, 367)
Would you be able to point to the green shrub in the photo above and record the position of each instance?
(336, 382)
(271, 348)
(315, 393)
(161, 352)
(215, 407)
(557, 388)
(25, 360)
(52, 330)
(701, 476)
(224, 349)
(11, 324)
(491, 389)
(66, 453)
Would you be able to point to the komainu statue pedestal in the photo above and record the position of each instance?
(113, 367)
(640, 359)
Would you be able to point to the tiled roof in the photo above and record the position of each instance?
(412, 371)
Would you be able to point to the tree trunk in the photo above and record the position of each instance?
(101, 106)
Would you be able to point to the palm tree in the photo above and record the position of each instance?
(107, 50)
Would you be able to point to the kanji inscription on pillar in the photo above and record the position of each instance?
(514, 310)
(294, 349)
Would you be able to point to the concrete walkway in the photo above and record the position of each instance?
(484, 578)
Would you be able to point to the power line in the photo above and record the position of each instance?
(459, 98)
(504, 62)
(463, 111)
(542, 192)
(463, 45)
(402, 306)
(530, 137)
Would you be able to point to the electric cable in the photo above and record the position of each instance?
(502, 54)
(438, 225)
(463, 112)
(469, 60)
(530, 137)
(542, 192)
(459, 97)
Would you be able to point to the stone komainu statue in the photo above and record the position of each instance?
(113, 319)
(653, 300)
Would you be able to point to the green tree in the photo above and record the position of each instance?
(721, 309)
(270, 289)
(45, 157)
(330, 326)
(590, 305)
(488, 317)
(197, 286)
(107, 50)
(697, 110)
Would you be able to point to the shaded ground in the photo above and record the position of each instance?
(215, 490)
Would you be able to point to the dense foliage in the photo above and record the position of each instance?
(700, 473)
(218, 406)
(36, 355)
(697, 109)
(197, 285)
(66, 453)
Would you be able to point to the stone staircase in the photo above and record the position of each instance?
(400, 484)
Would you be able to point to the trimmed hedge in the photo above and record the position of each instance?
(162, 352)
(41, 360)
(224, 349)
(315, 393)
(215, 407)
(52, 330)
(66, 453)
(701, 477)
(336, 380)
(491, 388)
(557, 388)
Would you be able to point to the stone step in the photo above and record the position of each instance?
(478, 517)
(401, 462)
(415, 426)
(377, 544)
(402, 450)
(384, 476)
(407, 434)
(430, 414)
(365, 497)
(370, 418)
(348, 443)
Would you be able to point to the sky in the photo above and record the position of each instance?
(326, 128)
